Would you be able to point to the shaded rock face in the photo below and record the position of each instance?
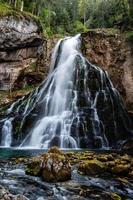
(21, 44)
(111, 53)
(36, 73)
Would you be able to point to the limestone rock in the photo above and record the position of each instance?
(21, 45)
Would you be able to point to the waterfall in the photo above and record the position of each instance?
(76, 106)
(7, 133)
(54, 126)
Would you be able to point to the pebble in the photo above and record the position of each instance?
(6, 195)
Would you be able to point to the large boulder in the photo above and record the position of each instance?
(53, 166)
(56, 167)
(21, 46)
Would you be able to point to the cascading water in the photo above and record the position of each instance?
(7, 133)
(75, 107)
(60, 104)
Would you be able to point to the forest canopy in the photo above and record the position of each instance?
(72, 16)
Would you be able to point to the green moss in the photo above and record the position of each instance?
(121, 169)
(6, 10)
(55, 156)
(129, 37)
(52, 166)
(107, 31)
(7, 98)
(79, 27)
(55, 150)
(33, 167)
(33, 66)
(17, 127)
(115, 196)
(56, 166)
(92, 167)
(111, 31)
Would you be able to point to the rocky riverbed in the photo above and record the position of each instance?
(56, 175)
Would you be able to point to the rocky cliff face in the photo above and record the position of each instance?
(113, 54)
(21, 45)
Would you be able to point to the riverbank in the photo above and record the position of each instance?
(93, 176)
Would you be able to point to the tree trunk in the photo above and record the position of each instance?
(38, 11)
(84, 12)
(22, 5)
(15, 3)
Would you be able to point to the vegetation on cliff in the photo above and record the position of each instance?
(61, 17)
(8, 10)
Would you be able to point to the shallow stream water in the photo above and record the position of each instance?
(13, 177)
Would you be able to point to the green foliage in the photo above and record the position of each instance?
(5, 9)
(73, 16)
(79, 27)
(60, 30)
(48, 32)
(111, 31)
(129, 37)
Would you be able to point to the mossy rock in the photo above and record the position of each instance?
(6, 10)
(121, 169)
(105, 158)
(55, 150)
(33, 167)
(115, 196)
(129, 37)
(92, 167)
(131, 174)
(126, 158)
(55, 167)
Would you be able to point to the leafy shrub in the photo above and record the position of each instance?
(129, 37)
(60, 30)
(79, 27)
(48, 31)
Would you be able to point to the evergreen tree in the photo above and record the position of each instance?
(61, 16)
